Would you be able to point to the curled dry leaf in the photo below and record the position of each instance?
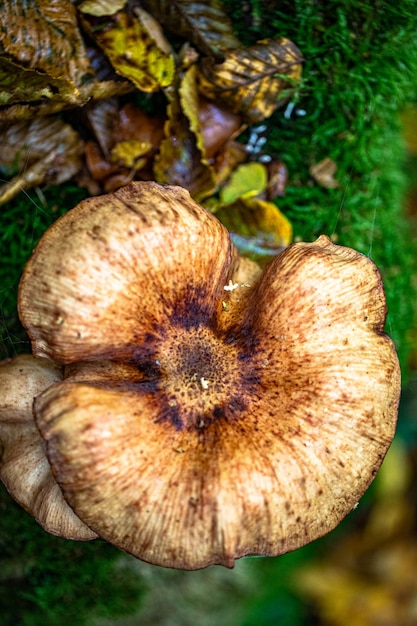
(101, 118)
(182, 159)
(205, 23)
(136, 47)
(252, 81)
(268, 399)
(45, 150)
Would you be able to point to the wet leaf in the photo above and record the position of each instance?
(257, 227)
(136, 47)
(99, 167)
(323, 173)
(205, 24)
(133, 123)
(252, 81)
(248, 180)
(45, 150)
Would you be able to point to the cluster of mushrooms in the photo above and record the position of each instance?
(181, 403)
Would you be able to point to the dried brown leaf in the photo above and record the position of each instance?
(323, 173)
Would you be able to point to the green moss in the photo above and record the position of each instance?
(54, 582)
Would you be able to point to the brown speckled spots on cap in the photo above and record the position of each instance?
(197, 424)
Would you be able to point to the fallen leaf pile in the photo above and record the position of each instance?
(70, 77)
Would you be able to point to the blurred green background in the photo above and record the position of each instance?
(359, 97)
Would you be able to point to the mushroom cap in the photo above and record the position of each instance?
(208, 411)
(24, 468)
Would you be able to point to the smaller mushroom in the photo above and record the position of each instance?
(24, 468)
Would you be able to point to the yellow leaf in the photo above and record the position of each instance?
(258, 228)
(190, 104)
(248, 180)
(128, 153)
(135, 47)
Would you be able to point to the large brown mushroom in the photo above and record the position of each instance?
(207, 411)
(24, 468)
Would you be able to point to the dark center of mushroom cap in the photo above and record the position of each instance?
(201, 376)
